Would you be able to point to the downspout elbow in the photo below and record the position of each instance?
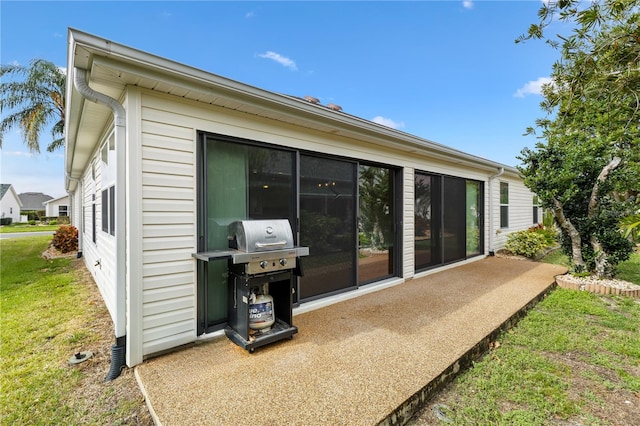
(80, 82)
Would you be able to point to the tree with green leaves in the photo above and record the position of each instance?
(33, 97)
(585, 166)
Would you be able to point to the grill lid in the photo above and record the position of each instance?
(260, 235)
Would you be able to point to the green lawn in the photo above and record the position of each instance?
(25, 227)
(574, 359)
(47, 316)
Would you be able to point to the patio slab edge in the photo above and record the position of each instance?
(410, 407)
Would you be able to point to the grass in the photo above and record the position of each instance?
(574, 359)
(34, 325)
(25, 227)
(48, 314)
(630, 270)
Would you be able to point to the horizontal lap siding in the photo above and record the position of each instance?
(99, 256)
(408, 263)
(520, 209)
(168, 229)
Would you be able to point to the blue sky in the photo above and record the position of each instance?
(447, 71)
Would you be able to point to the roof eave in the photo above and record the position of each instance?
(84, 49)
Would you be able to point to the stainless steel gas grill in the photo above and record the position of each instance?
(263, 263)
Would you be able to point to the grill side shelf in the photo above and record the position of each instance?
(214, 255)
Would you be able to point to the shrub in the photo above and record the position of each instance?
(6, 221)
(32, 222)
(549, 234)
(53, 222)
(525, 243)
(66, 239)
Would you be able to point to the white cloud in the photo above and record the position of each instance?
(282, 60)
(249, 15)
(533, 87)
(387, 122)
(18, 154)
(467, 4)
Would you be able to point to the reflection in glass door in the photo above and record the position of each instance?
(448, 219)
(453, 219)
(327, 225)
(427, 217)
(240, 182)
(474, 217)
(376, 236)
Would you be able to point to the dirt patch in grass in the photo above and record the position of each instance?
(95, 401)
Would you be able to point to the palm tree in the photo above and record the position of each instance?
(33, 102)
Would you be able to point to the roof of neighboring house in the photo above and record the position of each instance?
(33, 200)
(53, 200)
(4, 187)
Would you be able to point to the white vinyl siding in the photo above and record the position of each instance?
(168, 229)
(408, 189)
(99, 255)
(519, 210)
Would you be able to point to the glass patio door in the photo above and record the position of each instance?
(427, 220)
(327, 225)
(240, 181)
(448, 219)
(376, 223)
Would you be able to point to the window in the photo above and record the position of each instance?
(109, 210)
(93, 217)
(504, 205)
(105, 210)
(63, 211)
(536, 218)
(112, 210)
(10, 210)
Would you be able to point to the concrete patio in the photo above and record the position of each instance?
(369, 360)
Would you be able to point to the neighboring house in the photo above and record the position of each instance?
(10, 203)
(160, 157)
(57, 207)
(33, 201)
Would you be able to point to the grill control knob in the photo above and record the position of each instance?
(263, 264)
(283, 262)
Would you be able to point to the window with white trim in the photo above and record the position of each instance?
(504, 205)
(536, 217)
(108, 176)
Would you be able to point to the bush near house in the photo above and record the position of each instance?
(6, 221)
(532, 241)
(66, 239)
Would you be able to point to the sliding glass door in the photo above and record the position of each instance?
(376, 223)
(240, 181)
(344, 210)
(448, 219)
(327, 225)
(427, 221)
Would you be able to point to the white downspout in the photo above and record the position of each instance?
(491, 232)
(119, 118)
